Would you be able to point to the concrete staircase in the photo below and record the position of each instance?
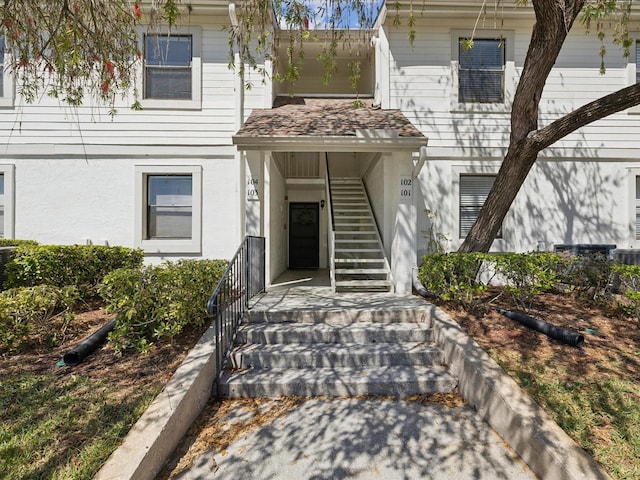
(359, 262)
(335, 353)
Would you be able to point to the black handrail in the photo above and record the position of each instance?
(243, 279)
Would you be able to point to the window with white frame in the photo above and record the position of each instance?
(6, 201)
(6, 80)
(483, 77)
(481, 70)
(168, 216)
(172, 70)
(473, 192)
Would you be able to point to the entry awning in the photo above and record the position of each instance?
(308, 124)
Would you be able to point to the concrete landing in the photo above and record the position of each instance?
(368, 439)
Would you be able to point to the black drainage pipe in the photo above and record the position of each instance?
(88, 345)
(557, 333)
(418, 287)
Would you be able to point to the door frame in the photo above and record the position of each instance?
(316, 207)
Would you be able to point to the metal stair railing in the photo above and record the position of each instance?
(331, 230)
(242, 280)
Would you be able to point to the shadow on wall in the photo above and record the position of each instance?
(572, 202)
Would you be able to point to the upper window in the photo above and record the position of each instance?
(483, 77)
(481, 71)
(474, 190)
(169, 209)
(167, 67)
(172, 70)
(6, 80)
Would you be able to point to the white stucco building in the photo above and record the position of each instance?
(203, 165)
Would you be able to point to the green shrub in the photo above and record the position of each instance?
(590, 277)
(83, 266)
(158, 302)
(14, 242)
(528, 274)
(454, 276)
(629, 278)
(27, 312)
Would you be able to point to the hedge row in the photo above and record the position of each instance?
(83, 266)
(465, 277)
(45, 283)
(159, 301)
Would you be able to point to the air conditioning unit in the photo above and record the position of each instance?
(583, 249)
(627, 256)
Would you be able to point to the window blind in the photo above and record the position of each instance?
(481, 71)
(474, 190)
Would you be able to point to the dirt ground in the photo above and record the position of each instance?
(612, 346)
(611, 339)
(125, 372)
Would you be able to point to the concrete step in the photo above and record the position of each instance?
(363, 285)
(333, 355)
(362, 333)
(400, 381)
(359, 260)
(343, 315)
(361, 271)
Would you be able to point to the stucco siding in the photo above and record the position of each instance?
(562, 201)
(80, 200)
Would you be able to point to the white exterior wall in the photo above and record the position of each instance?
(583, 188)
(562, 201)
(75, 169)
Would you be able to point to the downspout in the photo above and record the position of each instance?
(416, 283)
(238, 122)
(239, 80)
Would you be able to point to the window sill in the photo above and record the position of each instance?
(149, 104)
(170, 246)
(480, 108)
(7, 103)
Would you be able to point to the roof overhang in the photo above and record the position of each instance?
(327, 124)
(329, 143)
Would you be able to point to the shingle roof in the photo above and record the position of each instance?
(311, 117)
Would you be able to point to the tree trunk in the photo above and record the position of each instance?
(554, 19)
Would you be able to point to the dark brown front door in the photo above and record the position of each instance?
(304, 235)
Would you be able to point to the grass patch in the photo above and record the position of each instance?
(63, 428)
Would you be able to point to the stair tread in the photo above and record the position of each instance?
(355, 271)
(393, 373)
(359, 260)
(362, 283)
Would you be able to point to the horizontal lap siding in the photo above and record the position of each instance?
(421, 82)
(46, 122)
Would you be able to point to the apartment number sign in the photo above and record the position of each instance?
(406, 187)
(252, 188)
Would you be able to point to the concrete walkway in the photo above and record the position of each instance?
(365, 439)
(358, 438)
(362, 438)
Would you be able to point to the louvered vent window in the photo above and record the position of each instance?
(481, 71)
(474, 190)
